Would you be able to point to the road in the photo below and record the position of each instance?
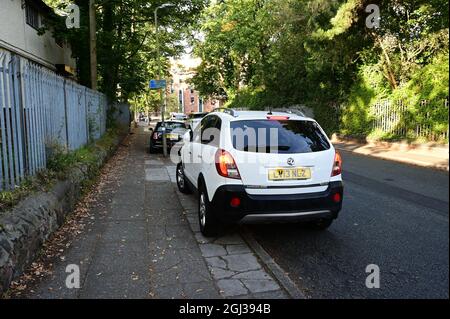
(394, 215)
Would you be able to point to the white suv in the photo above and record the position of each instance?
(249, 166)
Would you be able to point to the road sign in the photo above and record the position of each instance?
(157, 84)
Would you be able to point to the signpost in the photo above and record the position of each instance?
(161, 85)
(157, 84)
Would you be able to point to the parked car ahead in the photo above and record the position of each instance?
(195, 118)
(174, 131)
(261, 167)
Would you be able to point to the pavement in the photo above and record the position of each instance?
(429, 155)
(143, 241)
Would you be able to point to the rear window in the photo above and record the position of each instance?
(170, 125)
(278, 136)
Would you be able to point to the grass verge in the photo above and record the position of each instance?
(58, 165)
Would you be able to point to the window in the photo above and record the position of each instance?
(210, 130)
(197, 130)
(180, 100)
(169, 126)
(200, 104)
(278, 136)
(32, 15)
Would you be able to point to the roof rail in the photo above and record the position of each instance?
(225, 110)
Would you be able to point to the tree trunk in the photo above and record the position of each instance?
(108, 56)
(388, 66)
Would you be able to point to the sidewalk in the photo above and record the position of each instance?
(426, 155)
(142, 240)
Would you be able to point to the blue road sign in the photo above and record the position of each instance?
(157, 84)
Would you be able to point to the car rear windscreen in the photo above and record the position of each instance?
(170, 126)
(278, 136)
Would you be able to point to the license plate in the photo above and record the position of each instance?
(283, 174)
(172, 136)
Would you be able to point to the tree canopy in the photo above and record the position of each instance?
(259, 53)
(126, 41)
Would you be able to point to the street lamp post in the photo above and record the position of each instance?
(163, 106)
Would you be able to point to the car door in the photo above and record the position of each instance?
(210, 143)
(202, 152)
(188, 157)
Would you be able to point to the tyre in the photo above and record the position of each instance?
(321, 224)
(182, 184)
(152, 150)
(208, 223)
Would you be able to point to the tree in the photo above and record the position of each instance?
(320, 53)
(126, 47)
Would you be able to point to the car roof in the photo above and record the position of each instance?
(257, 115)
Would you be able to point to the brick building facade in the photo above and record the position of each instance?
(189, 100)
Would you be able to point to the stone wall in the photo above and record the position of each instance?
(30, 223)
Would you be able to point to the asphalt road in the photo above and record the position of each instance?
(394, 215)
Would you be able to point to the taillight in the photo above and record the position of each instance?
(225, 165)
(337, 164)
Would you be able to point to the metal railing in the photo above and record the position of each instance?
(428, 121)
(40, 110)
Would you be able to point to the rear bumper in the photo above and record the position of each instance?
(157, 144)
(254, 208)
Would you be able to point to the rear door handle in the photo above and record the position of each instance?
(199, 156)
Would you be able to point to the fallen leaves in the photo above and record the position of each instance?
(55, 249)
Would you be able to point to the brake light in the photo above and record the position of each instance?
(277, 117)
(337, 164)
(225, 165)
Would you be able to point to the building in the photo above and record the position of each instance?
(19, 24)
(189, 100)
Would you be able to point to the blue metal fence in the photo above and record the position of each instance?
(39, 111)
